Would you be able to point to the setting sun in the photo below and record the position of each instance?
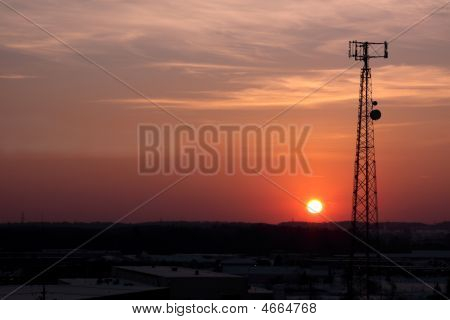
(314, 206)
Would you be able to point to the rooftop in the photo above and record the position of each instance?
(175, 272)
(70, 289)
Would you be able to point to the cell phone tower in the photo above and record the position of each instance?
(364, 224)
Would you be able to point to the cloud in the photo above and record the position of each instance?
(16, 76)
(214, 31)
(424, 86)
(215, 55)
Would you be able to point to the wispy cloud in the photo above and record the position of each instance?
(16, 76)
(411, 85)
(233, 55)
(232, 30)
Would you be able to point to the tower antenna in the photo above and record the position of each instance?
(365, 203)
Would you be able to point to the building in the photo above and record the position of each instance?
(187, 283)
(89, 289)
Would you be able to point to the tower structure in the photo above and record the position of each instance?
(364, 224)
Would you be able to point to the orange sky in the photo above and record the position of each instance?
(68, 131)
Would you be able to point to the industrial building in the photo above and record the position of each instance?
(187, 283)
(85, 289)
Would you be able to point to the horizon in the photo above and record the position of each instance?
(217, 222)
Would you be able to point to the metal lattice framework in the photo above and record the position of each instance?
(365, 204)
(365, 207)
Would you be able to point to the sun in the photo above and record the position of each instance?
(314, 206)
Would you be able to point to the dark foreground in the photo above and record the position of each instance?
(180, 260)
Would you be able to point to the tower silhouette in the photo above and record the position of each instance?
(364, 224)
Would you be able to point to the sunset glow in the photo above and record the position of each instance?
(68, 148)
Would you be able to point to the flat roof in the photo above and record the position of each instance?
(176, 272)
(81, 289)
(106, 282)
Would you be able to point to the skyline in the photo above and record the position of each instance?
(68, 132)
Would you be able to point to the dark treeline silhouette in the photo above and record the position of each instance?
(215, 237)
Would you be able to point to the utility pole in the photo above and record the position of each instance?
(364, 224)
